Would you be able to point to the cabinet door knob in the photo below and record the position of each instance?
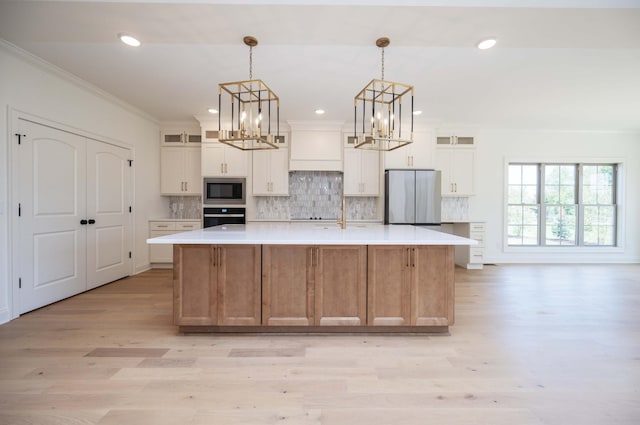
(83, 222)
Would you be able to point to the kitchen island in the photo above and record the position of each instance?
(303, 277)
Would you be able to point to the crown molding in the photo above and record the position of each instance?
(73, 79)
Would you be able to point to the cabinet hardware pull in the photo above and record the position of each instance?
(408, 256)
(221, 168)
(213, 256)
(219, 256)
(92, 221)
(83, 222)
(186, 186)
(413, 257)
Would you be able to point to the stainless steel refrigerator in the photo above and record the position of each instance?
(412, 197)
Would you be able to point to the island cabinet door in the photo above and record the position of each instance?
(341, 285)
(239, 294)
(195, 285)
(432, 285)
(287, 285)
(389, 286)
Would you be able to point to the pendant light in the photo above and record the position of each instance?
(253, 114)
(381, 112)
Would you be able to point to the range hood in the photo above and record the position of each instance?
(315, 146)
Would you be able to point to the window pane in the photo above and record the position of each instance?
(514, 215)
(530, 174)
(589, 194)
(551, 194)
(515, 174)
(530, 194)
(605, 195)
(606, 235)
(567, 174)
(560, 226)
(530, 235)
(515, 194)
(530, 215)
(514, 235)
(552, 174)
(567, 195)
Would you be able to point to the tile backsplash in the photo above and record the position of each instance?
(189, 207)
(455, 209)
(314, 194)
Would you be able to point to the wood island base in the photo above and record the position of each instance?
(232, 288)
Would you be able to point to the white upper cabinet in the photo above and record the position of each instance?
(457, 166)
(455, 157)
(186, 135)
(458, 141)
(220, 160)
(271, 172)
(417, 155)
(180, 171)
(361, 171)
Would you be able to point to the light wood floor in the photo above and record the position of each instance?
(532, 345)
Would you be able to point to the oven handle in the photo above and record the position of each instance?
(224, 215)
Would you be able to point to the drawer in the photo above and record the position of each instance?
(476, 227)
(476, 255)
(478, 236)
(162, 225)
(184, 226)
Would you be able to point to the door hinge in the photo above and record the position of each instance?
(129, 208)
(19, 210)
(19, 283)
(130, 162)
(129, 254)
(20, 136)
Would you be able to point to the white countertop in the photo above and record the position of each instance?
(316, 234)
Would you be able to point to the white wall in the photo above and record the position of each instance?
(496, 148)
(30, 85)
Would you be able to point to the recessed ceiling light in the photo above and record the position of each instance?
(319, 111)
(129, 40)
(417, 112)
(212, 111)
(487, 44)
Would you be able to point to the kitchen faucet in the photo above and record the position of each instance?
(343, 213)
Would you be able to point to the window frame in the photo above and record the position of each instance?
(618, 196)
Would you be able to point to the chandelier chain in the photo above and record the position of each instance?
(251, 62)
(382, 64)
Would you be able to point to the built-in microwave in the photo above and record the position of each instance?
(219, 191)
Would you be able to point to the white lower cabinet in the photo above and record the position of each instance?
(468, 256)
(162, 255)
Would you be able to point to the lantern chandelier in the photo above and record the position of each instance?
(251, 104)
(381, 119)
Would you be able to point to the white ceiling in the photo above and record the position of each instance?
(565, 64)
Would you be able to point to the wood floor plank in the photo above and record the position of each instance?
(532, 345)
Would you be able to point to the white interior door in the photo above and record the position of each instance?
(109, 226)
(50, 245)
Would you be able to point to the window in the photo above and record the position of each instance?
(561, 204)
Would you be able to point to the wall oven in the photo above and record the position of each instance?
(217, 216)
(217, 191)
